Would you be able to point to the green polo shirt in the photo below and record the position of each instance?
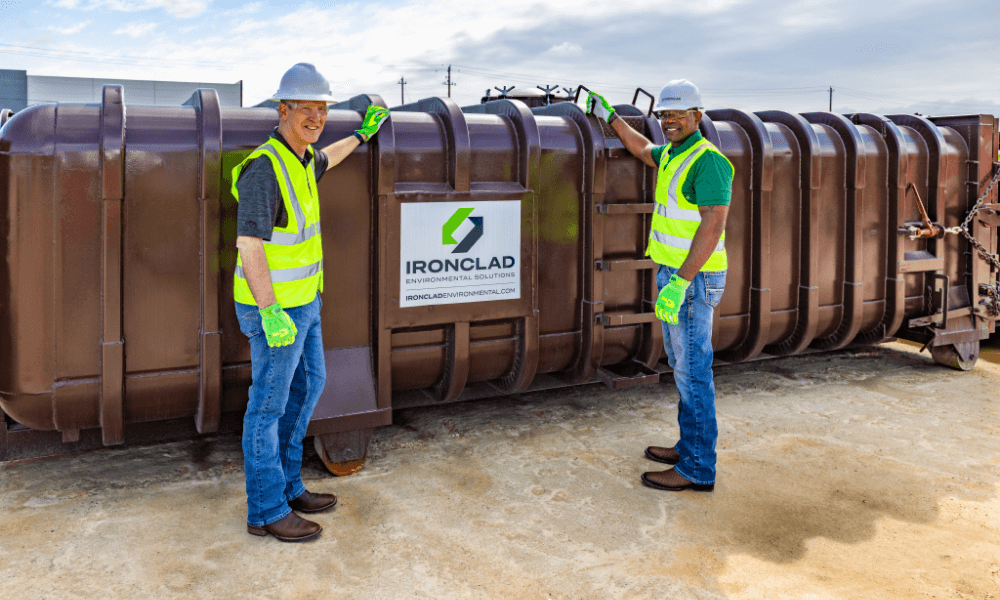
(711, 178)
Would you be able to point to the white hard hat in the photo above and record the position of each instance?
(304, 82)
(679, 94)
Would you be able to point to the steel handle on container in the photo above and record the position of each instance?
(652, 100)
(576, 98)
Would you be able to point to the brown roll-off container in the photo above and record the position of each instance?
(118, 230)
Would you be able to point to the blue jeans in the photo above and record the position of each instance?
(689, 354)
(287, 383)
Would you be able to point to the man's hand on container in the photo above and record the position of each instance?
(373, 120)
(278, 326)
(668, 303)
(597, 105)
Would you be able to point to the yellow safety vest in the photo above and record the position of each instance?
(295, 252)
(676, 219)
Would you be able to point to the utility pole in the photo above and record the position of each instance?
(402, 83)
(831, 98)
(448, 82)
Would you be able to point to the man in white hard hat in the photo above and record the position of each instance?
(278, 279)
(687, 240)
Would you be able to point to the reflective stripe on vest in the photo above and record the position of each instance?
(676, 219)
(281, 238)
(290, 239)
(288, 275)
(295, 252)
(683, 243)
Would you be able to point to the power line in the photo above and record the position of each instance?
(991, 108)
(765, 93)
(770, 89)
(879, 96)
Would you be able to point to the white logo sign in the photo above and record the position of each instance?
(453, 252)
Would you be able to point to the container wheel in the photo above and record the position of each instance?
(343, 453)
(957, 356)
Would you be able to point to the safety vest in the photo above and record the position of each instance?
(295, 252)
(676, 220)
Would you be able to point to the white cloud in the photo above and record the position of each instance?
(71, 29)
(565, 49)
(177, 8)
(525, 43)
(750, 54)
(136, 30)
(247, 26)
(180, 8)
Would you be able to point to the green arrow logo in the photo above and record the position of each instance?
(452, 224)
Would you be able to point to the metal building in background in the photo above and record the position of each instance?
(19, 90)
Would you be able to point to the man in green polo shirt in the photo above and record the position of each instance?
(687, 240)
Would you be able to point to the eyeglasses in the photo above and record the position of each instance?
(320, 110)
(309, 109)
(672, 115)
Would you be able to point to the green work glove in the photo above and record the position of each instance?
(373, 120)
(278, 326)
(596, 104)
(668, 303)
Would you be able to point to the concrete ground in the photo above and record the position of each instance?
(858, 474)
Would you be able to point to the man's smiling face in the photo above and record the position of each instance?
(302, 122)
(679, 124)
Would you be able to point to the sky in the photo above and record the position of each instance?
(881, 56)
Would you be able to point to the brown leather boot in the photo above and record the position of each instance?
(667, 456)
(290, 528)
(671, 481)
(309, 502)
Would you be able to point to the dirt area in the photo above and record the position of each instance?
(860, 474)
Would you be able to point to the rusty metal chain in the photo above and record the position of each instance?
(993, 291)
(964, 227)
